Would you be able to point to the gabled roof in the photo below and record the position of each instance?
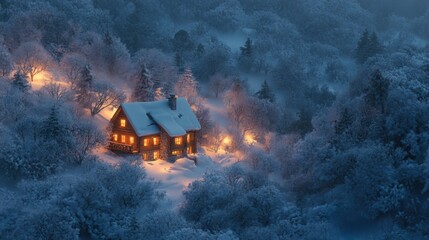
(147, 117)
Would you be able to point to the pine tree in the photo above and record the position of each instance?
(378, 90)
(368, 46)
(84, 85)
(187, 87)
(246, 57)
(374, 45)
(362, 51)
(265, 92)
(51, 128)
(143, 90)
(20, 81)
(247, 49)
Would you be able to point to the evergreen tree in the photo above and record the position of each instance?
(362, 51)
(265, 92)
(374, 45)
(246, 57)
(378, 90)
(143, 90)
(84, 85)
(51, 128)
(20, 81)
(186, 87)
(247, 49)
(368, 46)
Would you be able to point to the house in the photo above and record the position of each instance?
(157, 130)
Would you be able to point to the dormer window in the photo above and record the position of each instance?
(123, 123)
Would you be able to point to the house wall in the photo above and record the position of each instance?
(193, 142)
(127, 131)
(151, 148)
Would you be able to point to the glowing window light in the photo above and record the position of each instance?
(176, 152)
(123, 123)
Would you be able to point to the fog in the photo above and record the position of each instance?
(314, 116)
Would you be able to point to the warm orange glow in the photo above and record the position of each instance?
(115, 137)
(189, 150)
(249, 138)
(156, 155)
(123, 123)
(42, 76)
(155, 141)
(131, 140)
(176, 152)
(145, 142)
(178, 140)
(123, 138)
(144, 156)
(227, 140)
(188, 137)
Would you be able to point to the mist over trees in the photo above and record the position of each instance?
(333, 94)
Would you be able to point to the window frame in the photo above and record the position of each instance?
(122, 123)
(178, 141)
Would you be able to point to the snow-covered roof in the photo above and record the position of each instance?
(147, 117)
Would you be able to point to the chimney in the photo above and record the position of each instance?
(172, 101)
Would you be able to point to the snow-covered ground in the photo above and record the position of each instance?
(174, 177)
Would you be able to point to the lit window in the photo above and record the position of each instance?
(145, 142)
(122, 122)
(115, 137)
(131, 140)
(156, 155)
(144, 156)
(178, 140)
(155, 141)
(189, 150)
(188, 137)
(123, 138)
(176, 152)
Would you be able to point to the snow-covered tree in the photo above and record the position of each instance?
(187, 87)
(6, 65)
(143, 90)
(20, 81)
(265, 92)
(104, 95)
(31, 58)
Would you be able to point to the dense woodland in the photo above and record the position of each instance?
(341, 117)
